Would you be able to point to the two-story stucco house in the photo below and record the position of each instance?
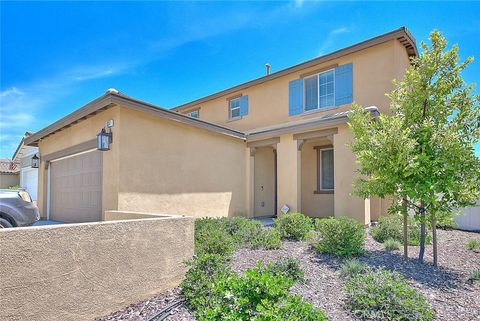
(248, 150)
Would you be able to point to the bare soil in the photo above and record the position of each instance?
(446, 288)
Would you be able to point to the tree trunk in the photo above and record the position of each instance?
(405, 229)
(422, 234)
(434, 239)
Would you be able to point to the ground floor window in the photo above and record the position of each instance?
(325, 180)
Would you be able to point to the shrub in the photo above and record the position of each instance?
(474, 276)
(391, 227)
(339, 236)
(266, 238)
(473, 244)
(223, 235)
(203, 271)
(257, 295)
(291, 309)
(289, 267)
(294, 226)
(391, 244)
(211, 237)
(352, 267)
(382, 295)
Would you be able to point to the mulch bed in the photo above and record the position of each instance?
(446, 288)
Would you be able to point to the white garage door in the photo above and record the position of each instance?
(29, 181)
(76, 188)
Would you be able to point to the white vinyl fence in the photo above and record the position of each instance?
(469, 219)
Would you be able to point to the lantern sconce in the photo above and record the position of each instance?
(35, 161)
(104, 139)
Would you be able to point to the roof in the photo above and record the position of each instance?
(401, 34)
(20, 146)
(111, 98)
(114, 98)
(8, 166)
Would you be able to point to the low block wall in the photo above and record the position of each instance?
(82, 271)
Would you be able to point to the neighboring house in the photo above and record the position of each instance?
(28, 175)
(469, 218)
(248, 150)
(8, 173)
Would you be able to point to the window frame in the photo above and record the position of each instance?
(318, 91)
(320, 189)
(230, 117)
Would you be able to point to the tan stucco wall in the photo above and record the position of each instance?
(8, 180)
(345, 172)
(373, 71)
(289, 174)
(264, 182)
(169, 167)
(315, 205)
(78, 133)
(82, 271)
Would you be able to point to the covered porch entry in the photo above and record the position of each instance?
(309, 170)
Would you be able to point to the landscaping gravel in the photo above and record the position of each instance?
(446, 288)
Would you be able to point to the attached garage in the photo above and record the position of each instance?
(76, 188)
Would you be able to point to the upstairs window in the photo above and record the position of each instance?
(234, 108)
(194, 113)
(319, 91)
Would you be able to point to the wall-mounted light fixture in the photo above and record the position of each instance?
(35, 161)
(105, 137)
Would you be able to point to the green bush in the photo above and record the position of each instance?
(203, 272)
(212, 237)
(391, 227)
(382, 295)
(473, 244)
(352, 267)
(223, 235)
(289, 267)
(291, 309)
(294, 226)
(265, 238)
(257, 295)
(392, 245)
(340, 236)
(474, 276)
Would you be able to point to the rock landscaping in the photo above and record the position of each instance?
(446, 293)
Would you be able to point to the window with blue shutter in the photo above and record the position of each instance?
(244, 105)
(295, 97)
(343, 84)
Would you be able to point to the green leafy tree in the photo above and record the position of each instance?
(422, 154)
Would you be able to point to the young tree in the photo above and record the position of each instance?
(423, 153)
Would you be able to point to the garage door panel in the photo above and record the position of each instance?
(76, 188)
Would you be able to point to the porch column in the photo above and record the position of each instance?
(289, 173)
(345, 166)
(250, 179)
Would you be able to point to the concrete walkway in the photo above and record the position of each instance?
(266, 221)
(47, 222)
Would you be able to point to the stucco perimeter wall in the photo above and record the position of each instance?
(82, 271)
(8, 180)
(169, 167)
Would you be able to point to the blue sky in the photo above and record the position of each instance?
(56, 57)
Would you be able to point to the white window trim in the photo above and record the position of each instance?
(318, 92)
(230, 117)
(321, 150)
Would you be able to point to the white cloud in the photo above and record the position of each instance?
(330, 38)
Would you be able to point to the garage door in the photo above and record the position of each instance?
(76, 188)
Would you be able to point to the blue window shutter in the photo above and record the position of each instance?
(243, 105)
(343, 84)
(295, 97)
